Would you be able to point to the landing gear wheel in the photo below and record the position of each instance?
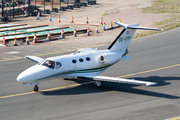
(99, 84)
(36, 88)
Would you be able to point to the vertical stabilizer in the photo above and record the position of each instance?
(124, 38)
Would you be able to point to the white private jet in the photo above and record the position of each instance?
(85, 63)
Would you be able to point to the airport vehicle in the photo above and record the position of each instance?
(85, 63)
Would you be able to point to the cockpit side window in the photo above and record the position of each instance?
(58, 65)
(49, 63)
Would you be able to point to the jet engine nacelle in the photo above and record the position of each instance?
(109, 58)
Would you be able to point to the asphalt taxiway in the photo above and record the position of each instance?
(155, 58)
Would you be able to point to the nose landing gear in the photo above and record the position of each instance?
(36, 88)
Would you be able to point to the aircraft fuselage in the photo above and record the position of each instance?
(84, 61)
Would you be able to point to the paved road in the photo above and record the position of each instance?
(154, 58)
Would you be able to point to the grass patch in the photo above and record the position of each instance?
(172, 19)
(146, 33)
(115, 10)
(106, 13)
(166, 25)
(163, 6)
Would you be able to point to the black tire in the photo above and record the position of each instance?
(36, 88)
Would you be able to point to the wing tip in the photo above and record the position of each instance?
(150, 84)
(164, 29)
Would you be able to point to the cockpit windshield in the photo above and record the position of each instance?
(41, 62)
(49, 63)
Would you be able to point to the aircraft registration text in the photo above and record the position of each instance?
(121, 39)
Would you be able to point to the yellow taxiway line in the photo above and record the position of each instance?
(51, 89)
(150, 70)
(175, 118)
(75, 85)
(8, 96)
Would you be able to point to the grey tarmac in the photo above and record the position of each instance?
(112, 102)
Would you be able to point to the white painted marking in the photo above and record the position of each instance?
(2, 45)
(13, 52)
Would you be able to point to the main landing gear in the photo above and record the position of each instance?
(99, 84)
(36, 88)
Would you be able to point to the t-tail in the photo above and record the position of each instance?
(124, 38)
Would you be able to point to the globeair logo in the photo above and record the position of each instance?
(124, 39)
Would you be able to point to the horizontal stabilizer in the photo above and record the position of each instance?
(118, 80)
(135, 26)
(125, 58)
(35, 58)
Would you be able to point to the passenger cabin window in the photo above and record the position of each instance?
(81, 60)
(49, 64)
(88, 59)
(74, 61)
(58, 65)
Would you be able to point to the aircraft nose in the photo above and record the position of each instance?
(26, 78)
(20, 78)
(32, 74)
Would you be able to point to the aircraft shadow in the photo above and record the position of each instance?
(107, 86)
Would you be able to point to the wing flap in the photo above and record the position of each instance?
(35, 58)
(118, 80)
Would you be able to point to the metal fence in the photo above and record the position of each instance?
(15, 8)
(19, 8)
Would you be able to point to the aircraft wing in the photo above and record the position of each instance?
(35, 58)
(118, 80)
